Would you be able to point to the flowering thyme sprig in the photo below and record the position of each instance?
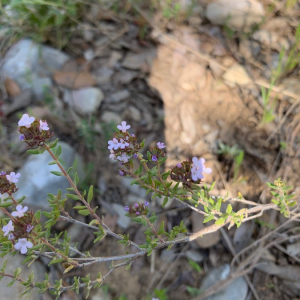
(138, 209)
(8, 183)
(34, 132)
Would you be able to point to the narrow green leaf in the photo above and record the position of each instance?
(72, 196)
(57, 173)
(33, 151)
(90, 194)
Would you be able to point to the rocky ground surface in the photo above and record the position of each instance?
(193, 85)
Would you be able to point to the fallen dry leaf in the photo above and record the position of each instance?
(74, 80)
(12, 87)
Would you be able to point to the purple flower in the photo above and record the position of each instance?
(2, 173)
(20, 211)
(7, 228)
(114, 144)
(11, 236)
(146, 203)
(179, 165)
(26, 121)
(22, 137)
(126, 208)
(43, 126)
(123, 158)
(199, 168)
(13, 177)
(160, 145)
(123, 127)
(132, 135)
(22, 245)
(121, 173)
(135, 155)
(29, 227)
(136, 205)
(154, 158)
(123, 144)
(137, 213)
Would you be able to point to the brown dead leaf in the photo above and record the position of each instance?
(74, 80)
(12, 87)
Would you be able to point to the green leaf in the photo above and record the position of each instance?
(52, 163)
(208, 218)
(76, 179)
(229, 208)
(166, 199)
(33, 151)
(53, 145)
(84, 212)
(220, 221)
(7, 204)
(37, 215)
(72, 196)
(90, 194)
(58, 151)
(57, 173)
(56, 261)
(194, 265)
(161, 228)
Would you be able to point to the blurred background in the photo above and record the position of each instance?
(213, 79)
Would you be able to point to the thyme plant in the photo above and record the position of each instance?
(24, 232)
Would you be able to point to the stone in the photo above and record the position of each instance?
(125, 76)
(17, 289)
(111, 117)
(26, 58)
(236, 74)
(135, 114)
(238, 14)
(236, 290)
(41, 87)
(119, 96)
(134, 189)
(104, 75)
(195, 255)
(293, 249)
(36, 180)
(138, 61)
(132, 199)
(207, 240)
(123, 221)
(86, 100)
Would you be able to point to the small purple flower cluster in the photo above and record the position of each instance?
(137, 209)
(19, 228)
(7, 182)
(157, 152)
(34, 132)
(123, 145)
(186, 173)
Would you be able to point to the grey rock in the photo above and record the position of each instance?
(293, 249)
(236, 290)
(41, 87)
(125, 76)
(123, 221)
(111, 117)
(135, 114)
(104, 75)
(26, 58)
(84, 101)
(36, 180)
(17, 289)
(195, 255)
(119, 96)
(134, 189)
(238, 14)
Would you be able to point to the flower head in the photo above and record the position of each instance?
(123, 127)
(126, 208)
(199, 168)
(11, 236)
(26, 121)
(20, 211)
(179, 165)
(160, 145)
(114, 144)
(22, 137)
(13, 177)
(29, 227)
(2, 173)
(43, 126)
(137, 213)
(136, 205)
(154, 158)
(7, 228)
(146, 203)
(121, 173)
(23, 245)
(123, 158)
